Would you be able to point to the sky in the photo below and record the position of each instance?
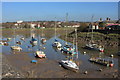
(77, 11)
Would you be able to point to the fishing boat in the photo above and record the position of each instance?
(70, 64)
(16, 47)
(39, 53)
(102, 61)
(91, 44)
(56, 43)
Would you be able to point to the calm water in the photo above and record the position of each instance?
(54, 54)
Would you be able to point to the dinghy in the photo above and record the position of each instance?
(40, 54)
(18, 48)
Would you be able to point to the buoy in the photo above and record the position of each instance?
(85, 72)
(111, 55)
(84, 53)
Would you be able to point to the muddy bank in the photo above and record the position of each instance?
(19, 66)
(9, 71)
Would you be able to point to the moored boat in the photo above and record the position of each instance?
(102, 61)
(40, 54)
(18, 48)
(69, 65)
(57, 44)
(43, 40)
(94, 47)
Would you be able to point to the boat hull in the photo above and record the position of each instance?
(67, 67)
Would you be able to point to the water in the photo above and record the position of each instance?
(54, 54)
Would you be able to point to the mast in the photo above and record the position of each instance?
(55, 28)
(66, 25)
(14, 36)
(38, 41)
(92, 27)
(76, 44)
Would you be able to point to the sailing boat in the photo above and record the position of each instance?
(91, 44)
(68, 48)
(33, 40)
(70, 64)
(56, 43)
(39, 53)
(43, 40)
(15, 47)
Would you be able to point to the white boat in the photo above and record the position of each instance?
(56, 43)
(95, 47)
(22, 38)
(18, 48)
(8, 39)
(92, 45)
(40, 54)
(69, 65)
(43, 40)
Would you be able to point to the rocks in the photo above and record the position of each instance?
(8, 71)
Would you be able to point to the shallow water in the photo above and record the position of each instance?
(53, 54)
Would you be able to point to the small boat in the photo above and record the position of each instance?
(69, 49)
(68, 64)
(22, 38)
(18, 42)
(91, 44)
(1, 43)
(101, 61)
(43, 40)
(4, 43)
(33, 41)
(8, 39)
(16, 48)
(57, 44)
(94, 47)
(40, 54)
